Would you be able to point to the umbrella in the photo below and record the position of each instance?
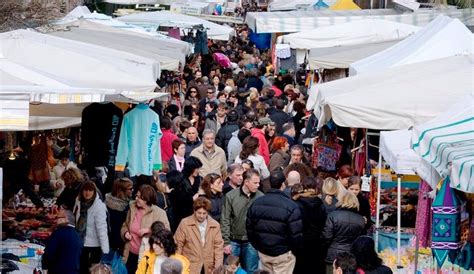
(222, 60)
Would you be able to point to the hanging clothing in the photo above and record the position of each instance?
(283, 51)
(326, 153)
(201, 43)
(423, 215)
(39, 171)
(175, 33)
(139, 143)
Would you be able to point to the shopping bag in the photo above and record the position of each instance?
(118, 267)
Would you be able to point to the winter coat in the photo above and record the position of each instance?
(274, 224)
(311, 254)
(189, 244)
(147, 263)
(97, 227)
(263, 144)
(190, 146)
(68, 197)
(62, 253)
(234, 214)
(152, 215)
(258, 164)
(181, 205)
(165, 144)
(217, 202)
(364, 211)
(280, 118)
(225, 133)
(234, 147)
(215, 163)
(342, 227)
(279, 160)
(118, 210)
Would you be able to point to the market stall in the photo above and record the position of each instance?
(99, 29)
(443, 37)
(153, 20)
(44, 69)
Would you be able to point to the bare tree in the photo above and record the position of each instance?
(17, 14)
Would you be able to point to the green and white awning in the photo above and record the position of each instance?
(446, 143)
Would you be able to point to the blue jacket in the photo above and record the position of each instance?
(139, 143)
(63, 251)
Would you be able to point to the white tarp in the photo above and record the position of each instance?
(295, 21)
(155, 19)
(446, 144)
(35, 67)
(395, 147)
(395, 98)
(343, 56)
(359, 32)
(82, 25)
(441, 38)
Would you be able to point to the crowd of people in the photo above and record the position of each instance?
(237, 192)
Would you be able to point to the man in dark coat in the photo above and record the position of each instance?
(63, 249)
(225, 132)
(192, 141)
(279, 116)
(275, 227)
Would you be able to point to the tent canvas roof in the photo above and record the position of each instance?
(396, 98)
(359, 32)
(446, 144)
(443, 37)
(294, 21)
(343, 56)
(170, 19)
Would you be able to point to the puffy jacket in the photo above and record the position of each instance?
(233, 148)
(96, 229)
(342, 227)
(234, 214)
(274, 224)
(225, 133)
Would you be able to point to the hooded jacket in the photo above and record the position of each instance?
(263, 144)
(225, 133)
(233, 147)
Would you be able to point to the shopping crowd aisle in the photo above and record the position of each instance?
(218, 179)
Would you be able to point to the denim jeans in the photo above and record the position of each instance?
(247, 254)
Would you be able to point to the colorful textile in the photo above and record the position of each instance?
(446, 229)
(423, 215)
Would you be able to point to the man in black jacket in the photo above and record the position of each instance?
(275, 227)
(225, 132)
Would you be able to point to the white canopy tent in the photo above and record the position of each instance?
(396, 98)
(343, 56)
(295, 21)
(443, 37)
(446, 144)
(395, 149)
(352, 33)
(152, 20)
(82, 25)
(44, 69)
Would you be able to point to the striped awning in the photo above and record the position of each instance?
(447, 144)
(295, 21)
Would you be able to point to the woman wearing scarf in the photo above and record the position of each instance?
(91, 224)
(177, 160)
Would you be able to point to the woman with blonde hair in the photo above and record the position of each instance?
(252, 100)
(342, 227)
(331, 192)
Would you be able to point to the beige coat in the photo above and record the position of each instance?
(215, 163)
(153, 214)
(188, 240)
